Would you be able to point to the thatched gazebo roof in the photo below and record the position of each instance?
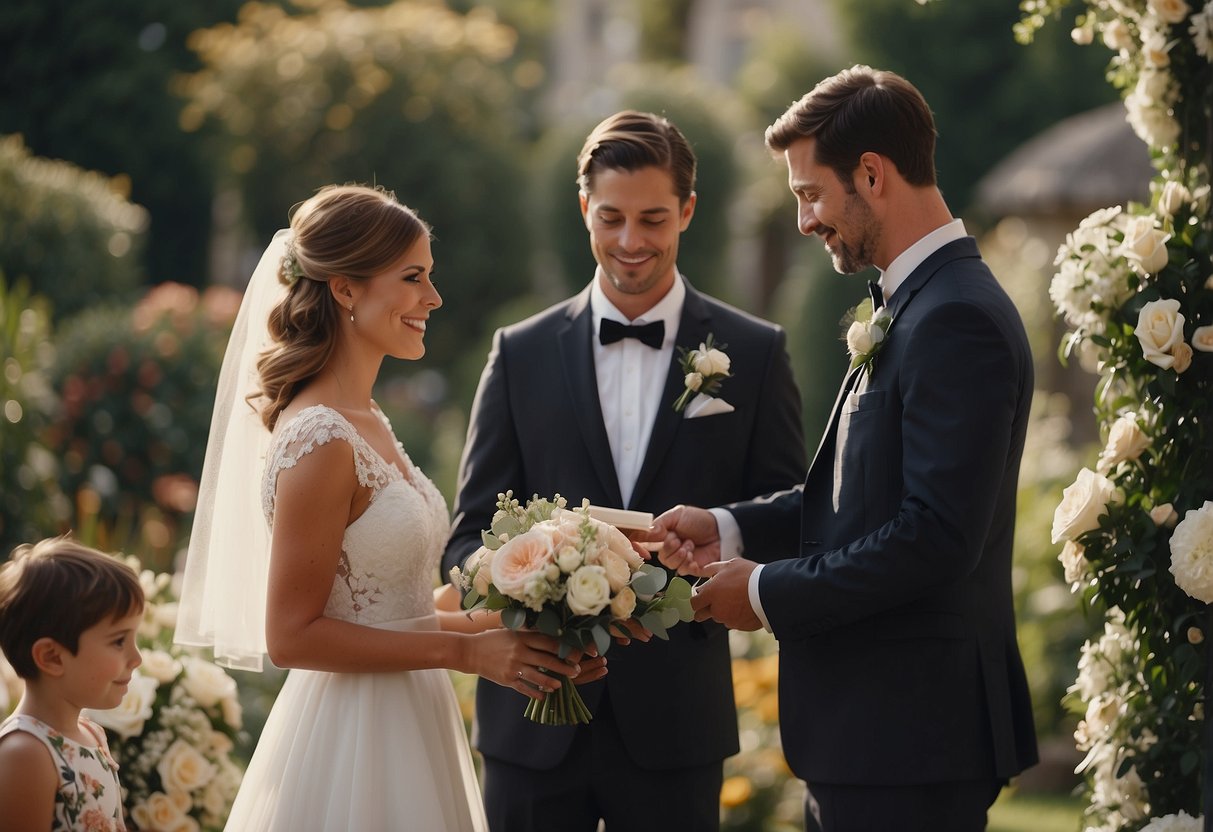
(1088, 161)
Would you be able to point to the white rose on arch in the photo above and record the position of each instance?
(1082, 504)
(1192, 553)
(1146, 245)
(1160, 327)
(1126, 441)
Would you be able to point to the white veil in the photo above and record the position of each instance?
(223, 593)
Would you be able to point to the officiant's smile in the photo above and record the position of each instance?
(635, 219)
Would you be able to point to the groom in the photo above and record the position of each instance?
(578, 400)
(887, 576)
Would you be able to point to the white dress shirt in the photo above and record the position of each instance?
(903, 265)
(631, 380)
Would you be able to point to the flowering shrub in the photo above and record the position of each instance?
(1135, 287)
(175, 730)
(137, 386)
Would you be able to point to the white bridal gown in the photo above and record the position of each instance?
(365, 751)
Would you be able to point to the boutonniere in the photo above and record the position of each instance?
(867, 334)
(703, 370)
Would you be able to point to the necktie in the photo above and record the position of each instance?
(650, 334)
(877, 295)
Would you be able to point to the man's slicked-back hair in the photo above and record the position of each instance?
(631, 140)
(862, 110)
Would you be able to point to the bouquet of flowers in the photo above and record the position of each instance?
(174, 732)
(572, 577)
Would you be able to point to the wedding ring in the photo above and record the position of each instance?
(519, 674)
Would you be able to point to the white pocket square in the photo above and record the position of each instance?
(703, 405)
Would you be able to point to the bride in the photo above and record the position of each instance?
(317, 540)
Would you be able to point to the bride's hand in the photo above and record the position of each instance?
(514, 659)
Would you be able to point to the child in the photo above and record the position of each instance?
(68, 616)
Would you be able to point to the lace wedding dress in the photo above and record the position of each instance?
(365, 751)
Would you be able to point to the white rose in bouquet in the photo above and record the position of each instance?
(1160, 326)
(133, 711)
(1082, 504)
(1170, 11)
(589, 591)
(162, 811)
(623, 604)
(1192, 553)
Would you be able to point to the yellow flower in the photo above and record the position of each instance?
(735, 791)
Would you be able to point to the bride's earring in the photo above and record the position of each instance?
(351, 310)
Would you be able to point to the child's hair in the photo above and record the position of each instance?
(58, 588)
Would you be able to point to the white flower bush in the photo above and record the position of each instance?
(174, 732)
(1134, 287)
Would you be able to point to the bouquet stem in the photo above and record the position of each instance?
(563, 706)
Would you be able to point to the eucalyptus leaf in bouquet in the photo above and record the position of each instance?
(570, 576)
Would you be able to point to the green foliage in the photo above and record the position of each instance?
(410, 96)
(137, 387)
(66, 231)
(31, 504)
(989, 94)
(89, 81)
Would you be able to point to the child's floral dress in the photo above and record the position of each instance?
(89, 797)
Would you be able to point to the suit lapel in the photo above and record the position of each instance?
(693, 327)
(577, 358)
(902, 298)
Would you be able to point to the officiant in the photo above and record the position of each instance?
(580, 400)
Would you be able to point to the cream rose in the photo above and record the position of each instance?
(1082, 504)
(618, 543)
(693, 381)
(1146, 244)
(1126, 440)
(160, 811)
(1202, 339)
(1074, 561)
(128, 718)
(618, 573)
(1116, 35)
(1182, 353)
(186, 824)
(520, 562)
(710, 362)
(479, 564)
(183, 768)
(568, 559)
(623, 604)
(862, 338)
(1192, 553)
(1160, 326)
(588, 590)
(233, 712)
(1174, 197)
(206, 683)
(160, 666)
(1082, 35)
(1164, 515)
(1171, 11)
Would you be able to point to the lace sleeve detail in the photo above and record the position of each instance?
(310, 429)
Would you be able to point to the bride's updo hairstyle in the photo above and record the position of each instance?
(349, 231)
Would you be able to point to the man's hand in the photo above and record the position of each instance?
(689, 539)
(725, 596)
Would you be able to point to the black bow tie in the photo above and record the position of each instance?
(877, 295)
(651, 334)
